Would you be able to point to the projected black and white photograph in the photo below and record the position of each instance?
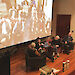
(24, 20)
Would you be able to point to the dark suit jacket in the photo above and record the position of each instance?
(31, 52)
(56, 42)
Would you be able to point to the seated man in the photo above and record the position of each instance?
(49, 54)
(32, 51)
(34, 58)
(39, 44)
(49, 42)
(56, 44)
(43, 51)
(70, 39)
(49, 48)
(66, 47)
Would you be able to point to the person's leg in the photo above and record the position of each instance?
(50, 57)
(53, 54)
(49, 54)
(58, 52)
(67, 50)
(71, 46)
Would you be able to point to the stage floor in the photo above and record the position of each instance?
(18, 64)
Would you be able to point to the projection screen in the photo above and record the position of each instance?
(24, 20)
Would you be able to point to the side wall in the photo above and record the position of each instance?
(64, 7)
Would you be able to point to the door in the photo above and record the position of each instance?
(63, 25)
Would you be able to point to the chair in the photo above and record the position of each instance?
(34, 63)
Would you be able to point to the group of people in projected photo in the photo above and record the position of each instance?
(25, 20)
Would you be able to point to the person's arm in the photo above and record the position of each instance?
(39, 48)
(37, 53)
(49, 43)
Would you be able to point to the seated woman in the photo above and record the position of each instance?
(32, 51)
(56, 44)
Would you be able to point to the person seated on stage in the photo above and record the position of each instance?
(50, 47)
(70, 39)
(47, 42)
(42, 50)
(39, 44)
(66, 47)
(62, 41)
(32, 51)
(49, 54)
(56, 45)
